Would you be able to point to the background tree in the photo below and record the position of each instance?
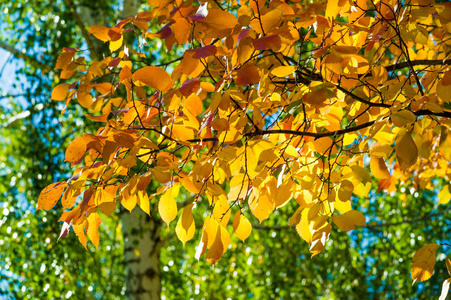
(254, 288)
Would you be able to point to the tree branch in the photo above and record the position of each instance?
(186, 202)
(19, 54)
(84, 32)
(426, 217)
(422, 62)
(319, 135)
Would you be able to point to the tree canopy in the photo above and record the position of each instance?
(291, 106)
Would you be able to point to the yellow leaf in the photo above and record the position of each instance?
(94, 221)
(379, 168)
(283, 71)
(107, 208)
(445, 143)
(221, 211)
(154, 77)
(402, 118)
(114, 45)
(241, 226)
(60, 91)
(423, 262)
(319, 239)
(444, 92)
(406, 150)
(219, 246)
(143, 201)
(262, 206)
(342, 206)
(302, 227)
(238, 187)
(349, 220)
(167, 207)
(345, 191)
(50, 195)
(129, 201)
(381, 150)
(185, 226)
(448, 266)
(444, 195)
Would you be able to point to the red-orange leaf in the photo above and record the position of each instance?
(272, 42)
(247, 75)
(202, 52)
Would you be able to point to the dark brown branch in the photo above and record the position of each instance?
(318, 135)
(422, 62)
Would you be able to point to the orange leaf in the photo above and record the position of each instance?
(220, 20)
(181, 29)
(379, 168)
(100, 32)
(154, 77)
(194, 104)
(50, 195)
(94, 221)
(60, 91)
(423, 262)
(76, 151)
(80, 232)
(65, 58)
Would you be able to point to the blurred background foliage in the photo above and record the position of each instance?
(370, 263)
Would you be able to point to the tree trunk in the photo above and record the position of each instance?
(142, 246)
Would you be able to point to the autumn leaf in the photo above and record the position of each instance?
(241, 226)
(423, 262)
(100, 32)
(185, 226)
(283, 71)
(154, 77)
(50, 195)
(76, 150)
(59, 93)
(349, 220)
(167, 207)
(406, 150)
(94, 221)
